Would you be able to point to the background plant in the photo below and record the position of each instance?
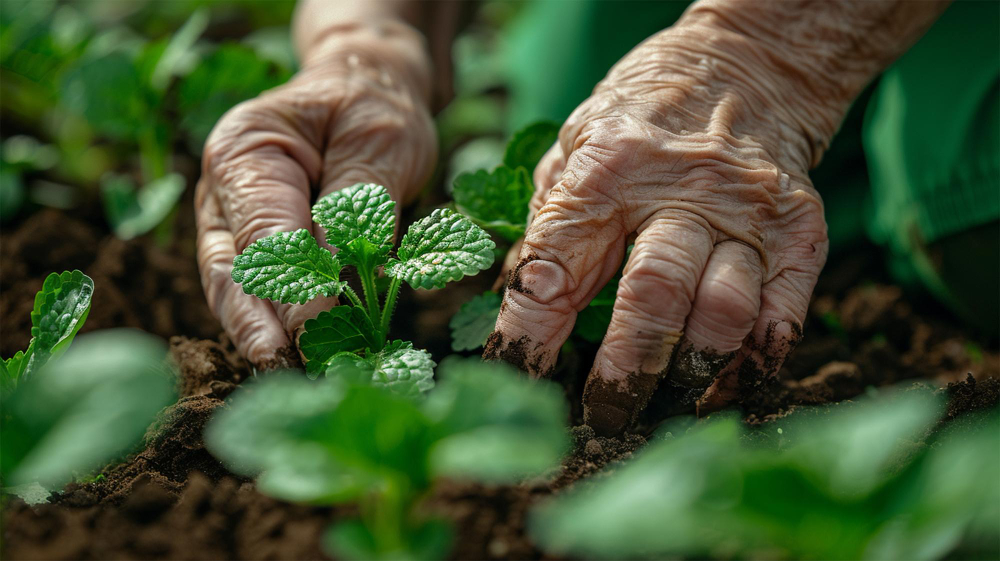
(342, 439)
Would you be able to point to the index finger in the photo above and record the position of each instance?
(571, 250)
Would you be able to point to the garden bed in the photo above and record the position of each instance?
(173, 500)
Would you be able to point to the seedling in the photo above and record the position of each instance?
(335, 440)
(291, 267)
(61, 308)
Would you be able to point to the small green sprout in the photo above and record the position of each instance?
(291, 267)
(61, 308)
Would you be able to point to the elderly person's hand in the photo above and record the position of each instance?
(356, 112)
(698, 144)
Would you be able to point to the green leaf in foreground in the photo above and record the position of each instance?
(495, 425)
(133, 212)
(359, 221)
(497, 200)
(441, 248)
(83, 409)
(718, 491)
(529, 144)
(288, 267)
(474, 322)
(343, 329)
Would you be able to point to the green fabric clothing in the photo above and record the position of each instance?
(916, 162)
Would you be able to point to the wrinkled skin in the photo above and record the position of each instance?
(357, 112)
(696, 146)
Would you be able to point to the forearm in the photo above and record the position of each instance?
(826, 51)
(395, 32)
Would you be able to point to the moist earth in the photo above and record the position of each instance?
(173, 500)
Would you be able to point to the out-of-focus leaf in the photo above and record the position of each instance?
(494, 425)
(178, 57)
(133, 212)
(529, 144)
(11, 194)
(273, 44)
(320, 441)
(233, 73)
(85, 408)
(474, 322)
(108, 91)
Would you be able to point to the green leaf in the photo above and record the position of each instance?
(320, 441)
(495, 425)
(109, 92)
(474, 322)
(343, 329)
(178, 57)
(61, 309)
(231, 74)
(133, 212)
(529, 144)
(85, 408)
(11, 193)
(359, 221)
(440, 248)
(497, 200)
(398, 367)
(288, 267)
(12, 369)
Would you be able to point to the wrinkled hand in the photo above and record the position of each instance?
(696, 149)
(357, 112)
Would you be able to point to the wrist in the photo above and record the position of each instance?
(386, 52)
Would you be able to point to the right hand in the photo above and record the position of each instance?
(356, 112)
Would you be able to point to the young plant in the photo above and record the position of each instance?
(498, 201)
(344, 439)
(291, 267)
(61, 308)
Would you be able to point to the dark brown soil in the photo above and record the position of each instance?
(172, 500)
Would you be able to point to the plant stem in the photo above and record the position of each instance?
(367, 275)
(389, 308)
(353, 297)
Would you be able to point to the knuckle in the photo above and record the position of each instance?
(654, 274)
(726, 305)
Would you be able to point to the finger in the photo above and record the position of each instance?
(572, 248)
(377, 141)
(654, 298)
(725, 308)
(263, 166)
(777, 331)
(546, 175)
(250, 322)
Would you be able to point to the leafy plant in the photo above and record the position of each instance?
(344, 439)
(291, 267)
(61, 308)
(82, 409)
(846, 481)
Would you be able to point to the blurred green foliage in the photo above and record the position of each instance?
(336, 440)
(118, 94)
(865, 480)
(83, 409)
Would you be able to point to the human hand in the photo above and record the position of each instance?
(695, 145)
(356, 112)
